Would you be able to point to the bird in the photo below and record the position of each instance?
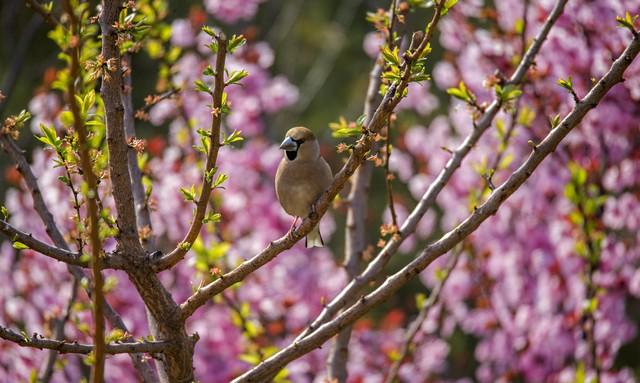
(301, 178)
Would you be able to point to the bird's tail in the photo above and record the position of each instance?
(314, 239)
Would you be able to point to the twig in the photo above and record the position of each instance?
(72, 347)
(97, 373)
(415, 326)
(56, 253)
(212, 156)
(349, 294)
(458, 234)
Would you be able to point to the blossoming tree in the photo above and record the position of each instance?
(513, 201)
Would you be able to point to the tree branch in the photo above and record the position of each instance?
(455, 236)
(349, 294)
(212, 157)
(41, 247)
(66, 347)
(116, 140)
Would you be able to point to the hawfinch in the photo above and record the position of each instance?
(301, 177)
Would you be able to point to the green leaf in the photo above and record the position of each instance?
(505, 161)
(447, 6)
(4, 212)
(236, 76)
(20, 246)
(189, 194)
(252, 359)
(202, 87)
(208, 175)
(391, 56)
(508, 93)
(212, 217)
(567, 84)
(220, 180)
(555, 121)
(462, 93)
(235, 42)
(65, 180)
(526, 116)
(115, 335)
(235, 136)
(208, 71)
(208, 30)
(627, 21)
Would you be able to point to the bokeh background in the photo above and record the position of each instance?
(513, 309)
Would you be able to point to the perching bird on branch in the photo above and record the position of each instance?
(301, 177)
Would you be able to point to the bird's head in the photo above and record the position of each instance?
(300, 144)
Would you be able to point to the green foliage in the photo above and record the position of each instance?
(208, 256)
(202, 87)
(236, 76)
(235, 42)
(19, 245)
(391, 56)
(189, 194)
(462, 93)
(554, 121)
(235, 136)
(526, 116)
(448, 4)
(50, 137)
(220, 180)
(508, 93)
(628, 22)
(567, 84)
(343, 128)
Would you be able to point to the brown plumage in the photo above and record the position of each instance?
(301, 177)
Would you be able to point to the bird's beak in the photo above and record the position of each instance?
(289, 144)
